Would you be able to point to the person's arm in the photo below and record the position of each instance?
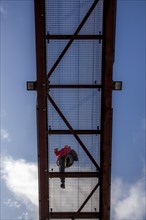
(56, 152)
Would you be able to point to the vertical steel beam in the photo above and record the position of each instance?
(106, 105)
(42, 109)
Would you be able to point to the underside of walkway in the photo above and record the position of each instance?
(74, 56)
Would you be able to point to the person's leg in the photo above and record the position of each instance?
(69, 160)
(62, 170)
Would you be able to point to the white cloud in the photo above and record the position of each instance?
(5, 135)
(24, 215)
(3, 11)
(12, 203)
(128, 201)
(21, 179)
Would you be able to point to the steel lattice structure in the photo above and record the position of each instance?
(52, 89)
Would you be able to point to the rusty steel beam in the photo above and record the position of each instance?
(78, 37)
(42, 130)
(80, 132)
(73, 133)
(70, 215)
(73, 37)
(95, 86)
(74, 174)
(109, 11)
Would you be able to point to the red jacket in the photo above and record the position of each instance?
(63, 152)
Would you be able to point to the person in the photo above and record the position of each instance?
(65, 158)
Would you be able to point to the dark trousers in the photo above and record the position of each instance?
(62, 168)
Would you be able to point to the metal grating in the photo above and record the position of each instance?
(63, 17)
(81, 65)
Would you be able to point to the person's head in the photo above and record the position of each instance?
(66, 146)
(55, 150)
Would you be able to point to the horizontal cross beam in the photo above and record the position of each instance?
(70, 215)
(74, 86)
(81, 132)
(74, 174)
(78, 37)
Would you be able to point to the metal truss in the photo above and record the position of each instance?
(43, 96)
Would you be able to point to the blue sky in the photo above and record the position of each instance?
(18, 111)
(129, 105)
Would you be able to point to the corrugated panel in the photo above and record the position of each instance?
(81, 107)
(81, 64)
(83, 57)
(60, 200)
(63, 17)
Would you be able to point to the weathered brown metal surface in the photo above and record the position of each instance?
(78, 37)
(106, 106)
(74, 86)
(42, 132)
(70, 215)
(74, 174)
(82, 132)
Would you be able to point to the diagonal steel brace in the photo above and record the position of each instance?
(86, 200)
